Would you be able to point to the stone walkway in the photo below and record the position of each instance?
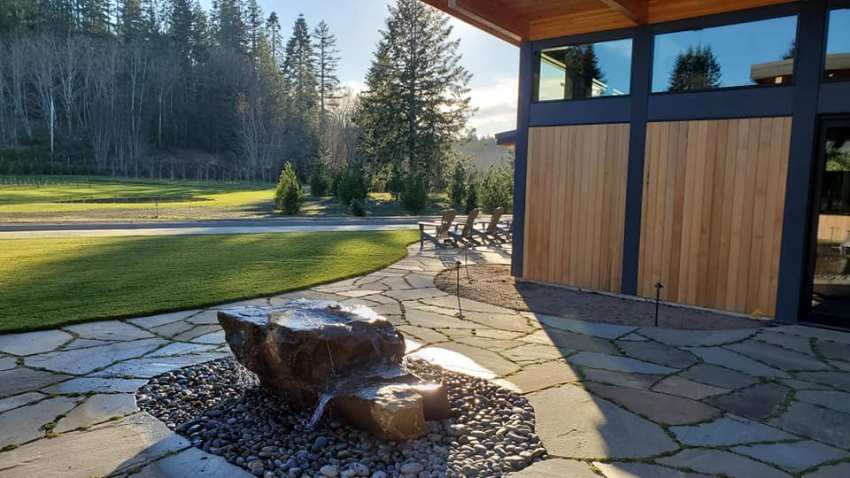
(611, 400)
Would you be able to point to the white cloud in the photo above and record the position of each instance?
(496, 103)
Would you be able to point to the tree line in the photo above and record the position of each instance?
(167, 89)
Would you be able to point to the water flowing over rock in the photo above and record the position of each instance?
(321, 353)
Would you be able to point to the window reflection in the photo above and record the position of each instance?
(752, 53)
(584, 71)
(838, 45)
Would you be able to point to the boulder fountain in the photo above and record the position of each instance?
(321, 355)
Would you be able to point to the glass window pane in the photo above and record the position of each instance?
(838, 45)
(585, 71)
(753, 53)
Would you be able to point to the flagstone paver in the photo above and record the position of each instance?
(658, 407)
(778, 357)
(111, 448)
(86, 385)
(537, 377)
(20, 400)
(18, 380)
(642, 402)
(97, 409)
(794, 457)
(642, 470)
(641, 381)
(659, 353)
(25, 423)
(736, 361)
(830, 399)
(575, 424)
(31, 343)
(556, 468)
(83, 361)
(816, 422)
(676, 385)
(717, 462)
(757, 402)
(718, 376)
(8, 363)
(839, 470)
(617, 364)
(108, 330)
(728, 430)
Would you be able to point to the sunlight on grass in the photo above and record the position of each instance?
(49, 282)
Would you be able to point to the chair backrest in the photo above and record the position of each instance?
(493, 225)
(446, 221)
(469, 226)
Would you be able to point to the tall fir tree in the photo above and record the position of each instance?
(254, 30)
(229, 25)
(416, 102)
(696, 69)
(93, 16)
(299, 80)
(131, 25)
(327, 61)
(274, 38)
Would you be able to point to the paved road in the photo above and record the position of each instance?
(230, 226)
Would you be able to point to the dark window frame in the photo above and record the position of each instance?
(832, 5)
(577, 40)
(721, 20)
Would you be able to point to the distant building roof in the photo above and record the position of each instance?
(506, 138)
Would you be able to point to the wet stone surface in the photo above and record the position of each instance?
(220, 409)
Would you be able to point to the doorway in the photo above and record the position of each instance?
(829, 286)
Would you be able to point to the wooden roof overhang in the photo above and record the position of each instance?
(516, 21)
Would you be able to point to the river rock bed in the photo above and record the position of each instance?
(220, 408)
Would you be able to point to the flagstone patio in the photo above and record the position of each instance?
(610, 400)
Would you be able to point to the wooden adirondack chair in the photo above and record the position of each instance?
(491, 232)
(466, 234)
(437, 232)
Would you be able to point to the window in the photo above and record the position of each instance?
(584, 71)
(745, 54)
(838, 45)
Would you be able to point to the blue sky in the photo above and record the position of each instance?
(838, 37)
(492, 62)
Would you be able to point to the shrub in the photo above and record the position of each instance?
(471, 196)
(357, 208)
(395, 182)
(457, 189)
(414, 194)
(288, 196)
(352, 185)
(497, 189)
(320, 181)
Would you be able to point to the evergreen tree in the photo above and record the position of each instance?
(181, 29)
(94, 16)
(582, 67)
(229, 26)
(299, 81)
(132, 25)
(417, 99)
(274, 39)
(254, 29)
(327, 60)
(696, 69)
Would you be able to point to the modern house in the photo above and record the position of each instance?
(703, 145)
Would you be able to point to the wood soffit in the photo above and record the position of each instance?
(516, 21)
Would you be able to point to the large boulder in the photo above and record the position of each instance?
(304, 349)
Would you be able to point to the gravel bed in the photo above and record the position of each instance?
(220, 408)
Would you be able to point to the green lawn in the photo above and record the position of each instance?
(68, 198)
(84, 198)
(50, 282)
